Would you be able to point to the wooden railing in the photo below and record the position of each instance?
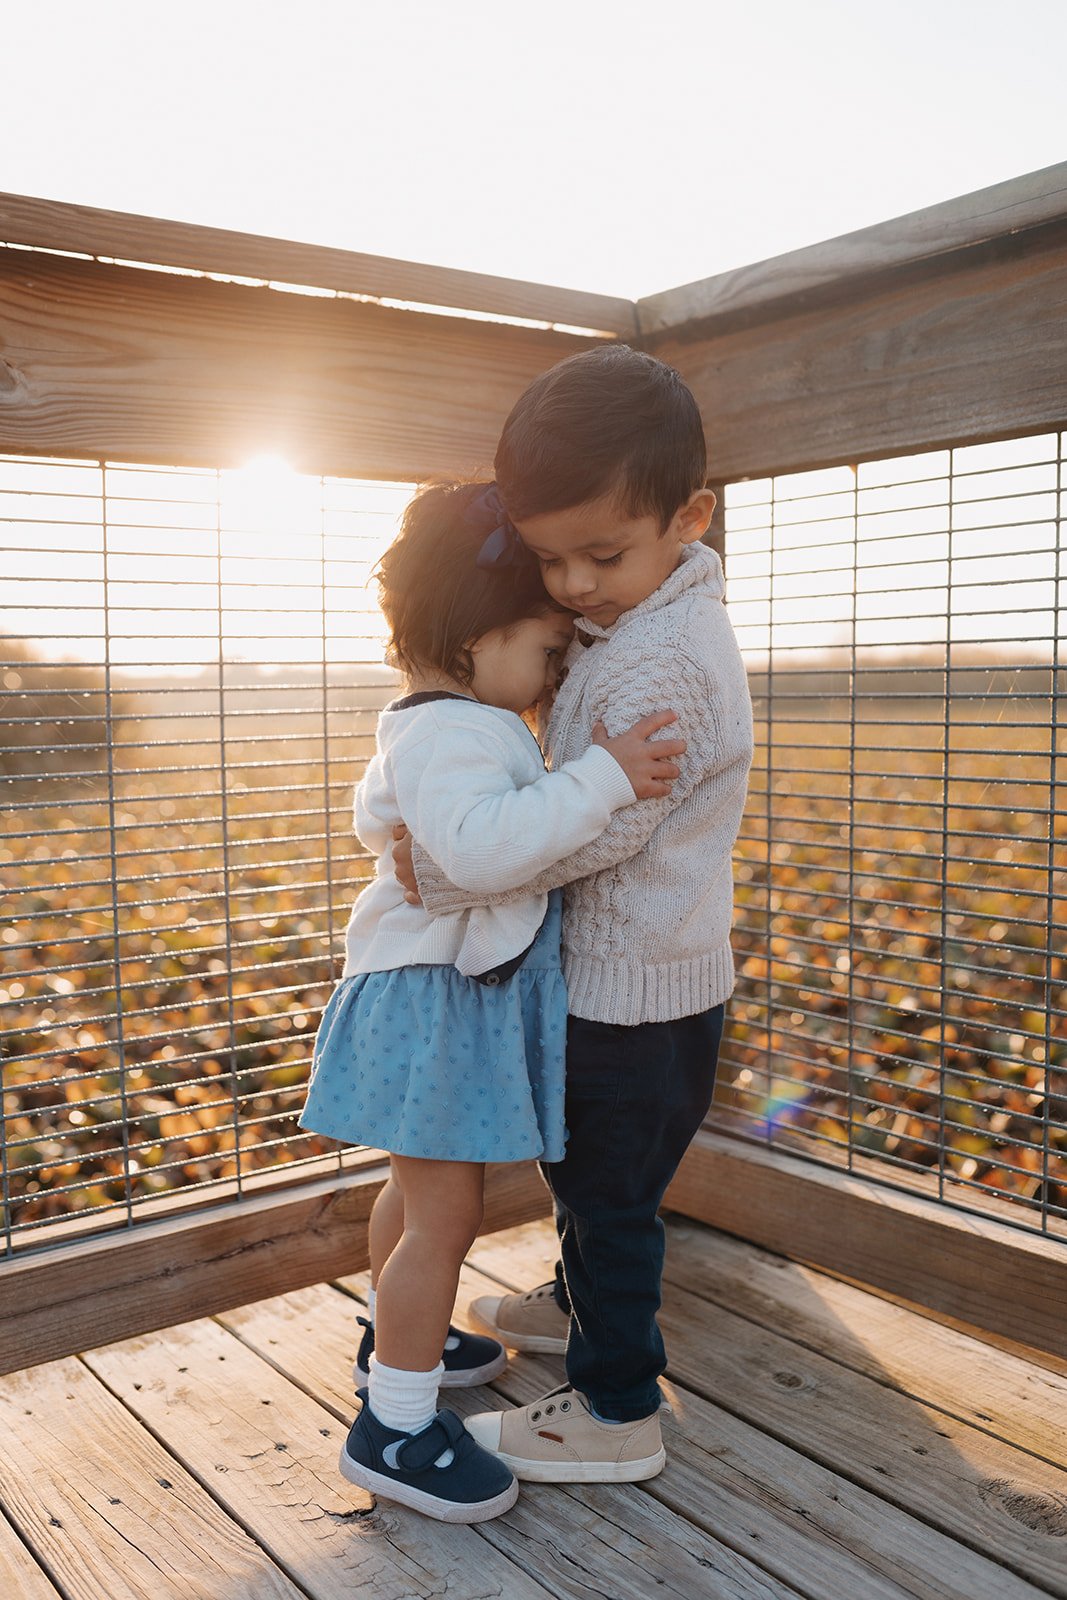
(129, 339)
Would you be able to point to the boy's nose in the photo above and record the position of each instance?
(580, 588)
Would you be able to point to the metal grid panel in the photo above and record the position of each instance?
(902, 872)
(187, 696)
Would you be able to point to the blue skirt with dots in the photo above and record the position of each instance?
(421, 1061)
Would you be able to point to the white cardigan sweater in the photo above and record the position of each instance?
(470, 782)
(647, 911)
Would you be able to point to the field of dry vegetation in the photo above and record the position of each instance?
(900, 994)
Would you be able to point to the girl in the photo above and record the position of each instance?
(444, 1041)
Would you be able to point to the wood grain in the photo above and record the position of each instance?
(979, 1271)
(107, 1509)
(269, 1453)
(978, 354)
(20, 1576)
(55, 225)
(1000, 1393)
(780, 1417)
(71, 1298)
(1009, 212)
(604, 1539)
(799, 1520)
(108, 361)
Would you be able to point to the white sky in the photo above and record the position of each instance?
(605, 144)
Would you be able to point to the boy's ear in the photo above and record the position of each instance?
(694, 518)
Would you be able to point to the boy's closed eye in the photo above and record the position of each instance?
(598, 561)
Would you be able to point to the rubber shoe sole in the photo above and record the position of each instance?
(417, 1500)
(481, 1313)
(585, 1471)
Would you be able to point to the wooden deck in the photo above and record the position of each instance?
(824, 1443)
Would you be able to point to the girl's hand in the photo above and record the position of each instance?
(403, 865)
(648, 763)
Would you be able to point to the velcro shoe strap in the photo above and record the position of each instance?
(444, 1433)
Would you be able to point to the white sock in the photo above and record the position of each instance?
(371, 1298)
(402, 1400)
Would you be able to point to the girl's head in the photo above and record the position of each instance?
(492, 629)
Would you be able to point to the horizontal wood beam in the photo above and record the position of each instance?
(844, 266)
(979, 1271)
(112, 362)
(979, 353)
(55, 225)
(71, 1297)
(75, 1296)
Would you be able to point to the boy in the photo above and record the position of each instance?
(602, 469)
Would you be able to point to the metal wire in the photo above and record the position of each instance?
(187, 693)
(174, 887)
(902, 867)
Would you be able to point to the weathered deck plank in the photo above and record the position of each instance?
(1009, 1506)
(19, 1573)
(603, 1536)
(800, 1522)
(105, 1508)
(824, 1444)
(1019, 1401)
(269, 1453)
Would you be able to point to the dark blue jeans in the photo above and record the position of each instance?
(635, 1098)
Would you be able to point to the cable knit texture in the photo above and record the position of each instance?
(470, 781)
(649, 902)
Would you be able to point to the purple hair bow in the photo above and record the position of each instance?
(502, 547)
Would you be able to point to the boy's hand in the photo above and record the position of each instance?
(648, 763)
(403, 866)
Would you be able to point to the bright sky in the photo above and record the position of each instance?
(622, 145)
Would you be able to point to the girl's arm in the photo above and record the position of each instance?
(457, 794)
(713, 744)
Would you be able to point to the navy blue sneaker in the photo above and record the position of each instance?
(441, 1471)
(470, 1360)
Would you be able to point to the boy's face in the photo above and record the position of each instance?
(600, 562)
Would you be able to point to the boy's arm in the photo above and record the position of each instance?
(460, 798)
(679, 684)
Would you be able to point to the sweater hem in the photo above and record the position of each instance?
(629, 994)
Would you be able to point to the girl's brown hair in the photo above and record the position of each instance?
(436, 598)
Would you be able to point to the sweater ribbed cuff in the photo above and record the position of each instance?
(610, 780)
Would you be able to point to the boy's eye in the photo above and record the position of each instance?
(549, 561)
(608, 561)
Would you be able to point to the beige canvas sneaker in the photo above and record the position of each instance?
(558, 1440)
(530, 1321)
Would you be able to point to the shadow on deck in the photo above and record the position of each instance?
(823, 1442)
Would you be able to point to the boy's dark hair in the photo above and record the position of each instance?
(609, 420)
(435, 596)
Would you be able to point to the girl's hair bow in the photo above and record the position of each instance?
(502, 547)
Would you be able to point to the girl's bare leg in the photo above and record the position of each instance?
(386, 1225)
(442, 1207)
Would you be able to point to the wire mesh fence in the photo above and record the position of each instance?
(902, 1004)
(188, 692)
(190, 683)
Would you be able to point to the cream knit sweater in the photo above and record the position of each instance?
(649, 902)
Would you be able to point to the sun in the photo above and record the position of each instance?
(269, 498)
